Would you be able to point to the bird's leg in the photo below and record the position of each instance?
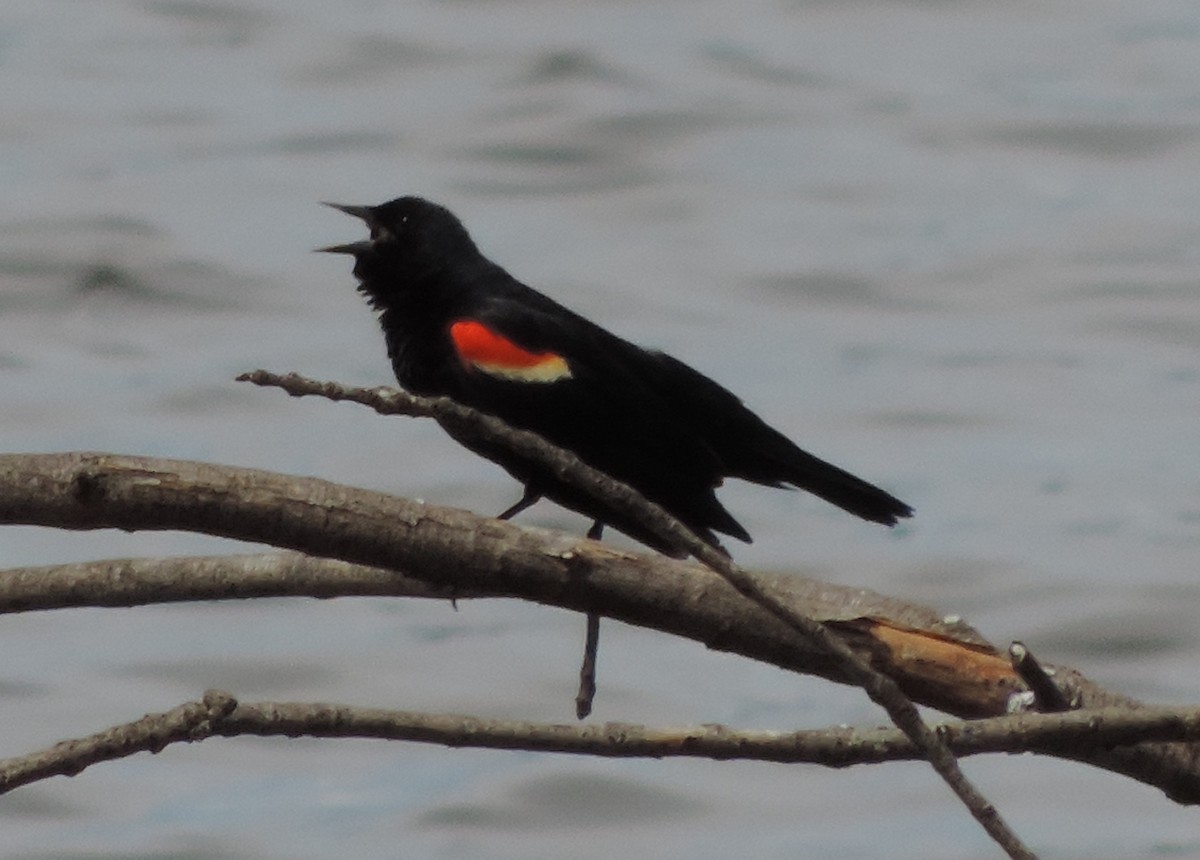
(587, 672)
(528, 499)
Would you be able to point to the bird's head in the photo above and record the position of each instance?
(410, 240)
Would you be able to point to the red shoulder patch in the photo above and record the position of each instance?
(480, 348)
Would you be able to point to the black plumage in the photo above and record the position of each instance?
(457, 324)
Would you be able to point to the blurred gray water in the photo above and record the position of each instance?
(951, 246)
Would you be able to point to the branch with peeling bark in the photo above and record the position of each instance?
(493, 556)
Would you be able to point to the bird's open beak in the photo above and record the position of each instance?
(363, 213)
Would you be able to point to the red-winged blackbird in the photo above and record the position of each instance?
(458, 325)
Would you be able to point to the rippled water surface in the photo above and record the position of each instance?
(952, 246)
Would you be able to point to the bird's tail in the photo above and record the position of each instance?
(850, 493)
(778, 461)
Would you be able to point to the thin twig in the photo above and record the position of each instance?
(220, 715)
(189, 721)
(1048, 698)
(142, 581)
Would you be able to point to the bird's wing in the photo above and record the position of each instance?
(541, 367)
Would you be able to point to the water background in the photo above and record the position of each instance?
(951, 246)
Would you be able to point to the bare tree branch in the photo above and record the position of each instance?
(220, 715)
(882, 690)
(955, 669)
(141, 581)
(945, 665)
(149, 734)
(455, 552)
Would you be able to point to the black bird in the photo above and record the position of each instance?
(459, 325)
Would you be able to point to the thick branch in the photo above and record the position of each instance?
(459, 554)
